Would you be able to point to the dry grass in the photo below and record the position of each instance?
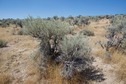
(122, 71)
(117, 59)
(52, 74)
(29, 81)
(99, 52)
(5, 78)
(17, 57)
(120, 60)
(32, 73)
(53, 77)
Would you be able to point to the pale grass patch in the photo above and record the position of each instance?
(53, 77)
(29, 81)
(100, 53)
(120, 60)
(5, 78)
(33, 75)
(32, 68)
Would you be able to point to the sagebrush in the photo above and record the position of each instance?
(87, 32)
(60, 48)
(3, 43)
(116, 34)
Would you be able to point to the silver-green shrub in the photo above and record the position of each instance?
(50, 32)
(76, 58)
(38, 27)
(87, 32)
(73, 52)
(75, 49)
(3, 43)
(117, 34)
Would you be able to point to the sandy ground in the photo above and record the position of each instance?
(17, 67)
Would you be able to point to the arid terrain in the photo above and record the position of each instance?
(18, 67)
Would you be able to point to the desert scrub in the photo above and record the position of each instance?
(21, 32)
(39, 28)
(3, 43)
(76, 59)
(119, 59)
(116, 34)
(74, 55)
(116, 19)
(59, 48)
(87, 32)
(49, 32)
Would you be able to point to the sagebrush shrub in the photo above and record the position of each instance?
(117, 34)
(73, 52)
(76, 58)
(48, 31)
(3, 43)
(87, 32)
(76, 55)
(40, 28)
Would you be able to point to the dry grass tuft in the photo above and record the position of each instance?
(122, 71)
(53, 77)
(29, 81)
(100, 53)
(32, 73)
(31, 68)
(5, 78)
(120, 60)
